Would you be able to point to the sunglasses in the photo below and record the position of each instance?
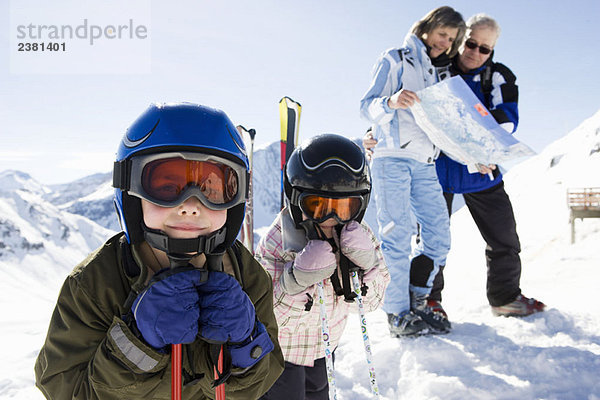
(169, 179)
(320, 208)
(471, 44)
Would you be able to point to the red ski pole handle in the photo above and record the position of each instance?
(219, 390)
(176, 372)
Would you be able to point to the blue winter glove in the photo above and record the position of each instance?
(167, 311)
(227, 315)
(226, 312)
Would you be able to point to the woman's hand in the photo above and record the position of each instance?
(369, 143)
(403, 99)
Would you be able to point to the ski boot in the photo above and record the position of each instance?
(436, 319)
(520, 307)
(406, 324)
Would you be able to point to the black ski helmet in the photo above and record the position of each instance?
(179, 127)
(330, 165)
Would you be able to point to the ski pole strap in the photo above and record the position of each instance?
(346, 267)
(309, 303)
(219, 390)
(344, 288)
(335, 279)
(221, 359)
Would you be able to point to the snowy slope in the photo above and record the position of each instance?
(32, 226)
(91, 197)
(266, 181)
(553, 355)
(39, 246)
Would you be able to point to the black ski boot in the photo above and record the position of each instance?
(437, 321)
(406, 324)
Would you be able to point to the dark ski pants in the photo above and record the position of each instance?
(493, 214)
(298, 382)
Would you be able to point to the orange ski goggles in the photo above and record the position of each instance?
(174, 177)
(320, 208)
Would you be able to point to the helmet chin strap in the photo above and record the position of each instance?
(181, 251)
(313, 230)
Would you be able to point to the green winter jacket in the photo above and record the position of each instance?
(90, 352)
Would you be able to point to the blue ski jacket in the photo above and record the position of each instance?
(396, 131)
(500, 97)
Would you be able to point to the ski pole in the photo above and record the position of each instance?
(219, 390)
(363, 325)
(247, 231)
(176, 372)
(250, 202)
(325, 330)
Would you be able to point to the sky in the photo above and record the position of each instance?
(243, 57)
(554, 355)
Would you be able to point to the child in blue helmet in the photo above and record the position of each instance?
(318, 233)
(175, 275)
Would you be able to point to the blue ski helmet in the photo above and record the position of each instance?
(185, 128)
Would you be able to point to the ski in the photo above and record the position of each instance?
(247, 233)
(289, 116)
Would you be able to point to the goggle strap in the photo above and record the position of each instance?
(294, 196)
(121, 175)
(249, 182)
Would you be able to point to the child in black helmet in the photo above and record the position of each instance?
(327, 187)
(175, 275)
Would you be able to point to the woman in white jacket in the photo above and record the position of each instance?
(403, 170)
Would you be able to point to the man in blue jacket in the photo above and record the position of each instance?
(494, 84)
(486, 199)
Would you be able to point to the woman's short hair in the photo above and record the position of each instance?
(442, 17)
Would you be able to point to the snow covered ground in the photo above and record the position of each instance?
(551, 355)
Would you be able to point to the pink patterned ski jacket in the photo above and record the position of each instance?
(300, 333)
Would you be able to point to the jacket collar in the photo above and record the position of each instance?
(417, 47)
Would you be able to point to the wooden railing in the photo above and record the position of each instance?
(583, 203)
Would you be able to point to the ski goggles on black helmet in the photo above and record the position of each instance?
(320, 208)
(168, 179)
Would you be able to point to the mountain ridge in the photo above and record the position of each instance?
(91, 197)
